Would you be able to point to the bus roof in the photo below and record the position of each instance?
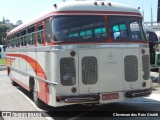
(82, 8)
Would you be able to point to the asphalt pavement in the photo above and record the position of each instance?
(18, 99)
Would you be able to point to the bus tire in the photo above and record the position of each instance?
(8, 71)
(13, 83)
(35, 98)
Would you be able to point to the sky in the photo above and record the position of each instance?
(25, 10)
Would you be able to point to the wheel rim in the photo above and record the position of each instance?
(35, 94)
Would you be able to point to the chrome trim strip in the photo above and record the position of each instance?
(78, 99)
(135, 94)
(31, 49)
(98, 46)
(77, 46)
(64, 47)
(19, 71)
(93, 14)
(36, 78)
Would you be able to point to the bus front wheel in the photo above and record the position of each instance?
(13, 83)
(8, 71)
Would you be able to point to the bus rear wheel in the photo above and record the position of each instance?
(35, 98)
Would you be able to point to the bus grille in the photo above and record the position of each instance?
(89, 70)
(146, 67)
(131, 68)
(67, 71)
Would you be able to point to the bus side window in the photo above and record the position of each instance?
(16, 42)
(17, 37)
(23, 38)
(100, 32)
(12, 41)
(22, 41)
(31, 36)
(40, 36)
(9, 42)
(48, 31)
(29, 39)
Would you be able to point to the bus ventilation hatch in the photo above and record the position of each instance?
(131, 68)
(146, 66)
(67, 71)
(89, 70)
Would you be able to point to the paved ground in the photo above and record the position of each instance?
(17, 99)
(12, 98)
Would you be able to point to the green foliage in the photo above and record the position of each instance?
(3, 30)
(2, 61)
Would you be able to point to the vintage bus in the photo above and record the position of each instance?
(81, 52)
(153, 44)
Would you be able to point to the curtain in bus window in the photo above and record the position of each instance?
(79, 28)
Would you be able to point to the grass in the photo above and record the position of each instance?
(2, 61)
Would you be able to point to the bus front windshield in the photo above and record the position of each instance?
(126, 28)
(79, 29)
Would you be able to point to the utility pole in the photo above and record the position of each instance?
(143, 12)
(158, 11)
(151, 17)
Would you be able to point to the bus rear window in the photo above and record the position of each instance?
(126, 28)
(79, 28)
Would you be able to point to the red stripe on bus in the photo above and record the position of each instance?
(44, 90)
(96, 12)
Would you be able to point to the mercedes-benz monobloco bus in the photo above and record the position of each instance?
(81, 52)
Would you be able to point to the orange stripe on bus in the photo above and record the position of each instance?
(44, 90)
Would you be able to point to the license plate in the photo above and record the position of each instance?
(110, 96)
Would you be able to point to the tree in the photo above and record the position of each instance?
(19, 22)
(3, 30)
